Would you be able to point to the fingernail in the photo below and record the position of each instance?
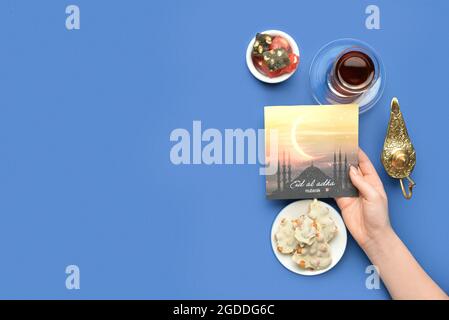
(354, 170)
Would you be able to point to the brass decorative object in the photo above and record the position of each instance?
(398, 155)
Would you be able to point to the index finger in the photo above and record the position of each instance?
(368, 170)
(365, 164)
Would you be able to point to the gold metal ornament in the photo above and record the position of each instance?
(398, 155)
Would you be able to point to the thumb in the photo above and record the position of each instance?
(365, 189)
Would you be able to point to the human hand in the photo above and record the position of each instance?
(366, 216)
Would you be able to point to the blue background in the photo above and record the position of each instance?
(85, 119)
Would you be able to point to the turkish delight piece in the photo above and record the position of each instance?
(276, 59)
(285, 237)
(262, 43)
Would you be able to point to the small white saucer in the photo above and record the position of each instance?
(262, 77)
(338, 244)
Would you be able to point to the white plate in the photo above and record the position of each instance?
(338, 244)
(262, 77)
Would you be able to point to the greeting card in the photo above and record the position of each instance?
(312, 149)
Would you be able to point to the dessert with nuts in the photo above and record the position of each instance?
(306, 237)
(273, 55)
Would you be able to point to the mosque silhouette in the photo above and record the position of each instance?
(312, 182)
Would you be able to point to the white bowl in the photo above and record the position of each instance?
(338, 244)
(256, 73)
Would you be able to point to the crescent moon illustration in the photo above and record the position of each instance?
(295, 142)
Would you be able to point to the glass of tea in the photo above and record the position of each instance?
(347, 71)
(352, 74)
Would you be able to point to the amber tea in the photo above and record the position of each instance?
(352, 74)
